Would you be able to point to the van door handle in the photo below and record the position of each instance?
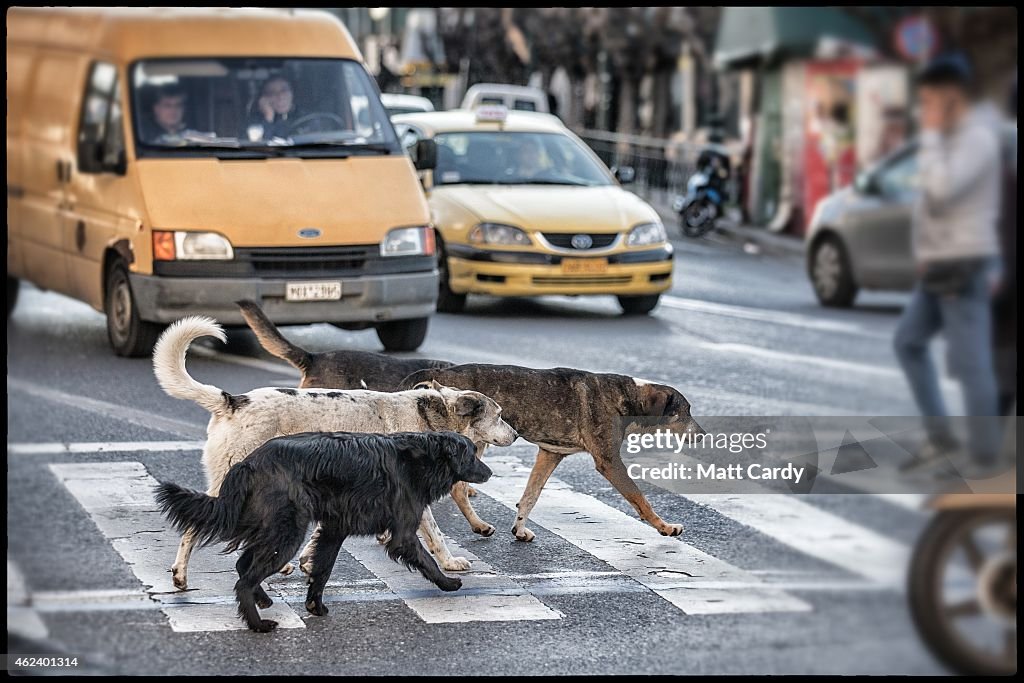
(63, 171)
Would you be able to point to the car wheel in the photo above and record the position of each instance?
(12, 294)
(447, 300)
(129, 335)
(403, 335)
(831, 274)
(638, 305)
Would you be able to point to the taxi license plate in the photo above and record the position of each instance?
(312, 291)
(584, 266)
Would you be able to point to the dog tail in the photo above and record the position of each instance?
(169, 363)
(270, 338)
(211, 518)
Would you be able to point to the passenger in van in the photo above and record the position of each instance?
(167, 115)
(275, 113)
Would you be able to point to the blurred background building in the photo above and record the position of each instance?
(806, 96)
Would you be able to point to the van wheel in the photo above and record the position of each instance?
(638, 305)
(403, 335)
(129, 335)
(831, 274)
(12, 294)
(447, 300)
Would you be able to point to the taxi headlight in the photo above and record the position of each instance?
(646, 233)
(498, 233)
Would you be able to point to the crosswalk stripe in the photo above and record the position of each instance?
(103, 447)
(22, 618)
(815, 532)
(118, 496)
(486, 595)
(671, 568)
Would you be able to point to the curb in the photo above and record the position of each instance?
(764, 241)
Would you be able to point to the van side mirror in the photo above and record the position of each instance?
(119, 164)
(624, 174)
(425, 155)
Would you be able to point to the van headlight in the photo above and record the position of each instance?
(499, 233)
(418, 241)
(191, 246)
(646, 233)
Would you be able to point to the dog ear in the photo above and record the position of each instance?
(468, 405)
(428, 384)
(654, 399)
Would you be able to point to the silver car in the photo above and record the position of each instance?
(859, 236)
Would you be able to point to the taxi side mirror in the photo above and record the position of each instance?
(425, 155)
(624, 174)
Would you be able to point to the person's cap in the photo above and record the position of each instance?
(952, 68)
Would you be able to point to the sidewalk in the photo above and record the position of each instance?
(730, 230)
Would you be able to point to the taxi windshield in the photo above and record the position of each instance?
(504, 158)
(213, 106)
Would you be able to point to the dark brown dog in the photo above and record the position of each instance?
(566, 411)
(334, 369)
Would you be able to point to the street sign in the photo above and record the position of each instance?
(916, 38)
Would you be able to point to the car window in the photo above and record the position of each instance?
(525, 105)
(100, 133)
(900, 177)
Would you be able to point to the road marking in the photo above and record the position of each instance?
(664, 565)
(118, 496)
(486, 595)
(104, 447)
(258, 363)
(815, 532)
(22, 618)
(768, 315)
(113, 411)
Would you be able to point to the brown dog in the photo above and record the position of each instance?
(565, 411)
(334, 369)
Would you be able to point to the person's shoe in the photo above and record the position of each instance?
(933, 457)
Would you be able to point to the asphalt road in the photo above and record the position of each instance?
(744, 590)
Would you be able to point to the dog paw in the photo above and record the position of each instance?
(317, 608)
(671, 530)
(449, 584)
(180, 578)
(306, 565)
(524, 535)
(287, 569)
(264, 602)
(384, 537)
(485, 530)
(471, 492)
(455, 564)
(265, 626)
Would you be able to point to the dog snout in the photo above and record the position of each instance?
(480, 473)
(694, 428)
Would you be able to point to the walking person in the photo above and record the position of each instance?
(956, 251)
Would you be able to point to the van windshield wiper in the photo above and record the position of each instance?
(349, 147)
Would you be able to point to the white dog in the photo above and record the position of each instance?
(240, 424)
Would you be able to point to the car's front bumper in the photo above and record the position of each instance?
(508, 273)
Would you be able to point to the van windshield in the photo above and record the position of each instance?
(315, 107)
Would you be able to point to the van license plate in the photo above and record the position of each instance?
(312, 291)
(584, 266)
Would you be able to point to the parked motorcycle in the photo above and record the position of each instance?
(963, 581)
(705, 195)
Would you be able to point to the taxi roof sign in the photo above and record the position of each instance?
(492, 112)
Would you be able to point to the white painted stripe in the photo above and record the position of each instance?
(258, 363)
(909, 501)
(746, 350)
(113, 411)
(664, 565)
(22, 619)
(768, 315)
(815, 532)
(119, 498)
(486, 595)
(104, 447)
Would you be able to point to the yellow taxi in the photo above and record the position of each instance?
(523, 207)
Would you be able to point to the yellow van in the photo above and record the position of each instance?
(523, 207)
(162, 162)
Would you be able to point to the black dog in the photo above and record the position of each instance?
(353, 484)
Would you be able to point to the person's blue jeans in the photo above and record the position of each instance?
(966, 321)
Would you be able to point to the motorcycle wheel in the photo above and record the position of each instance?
(697, 219)
(972, 632)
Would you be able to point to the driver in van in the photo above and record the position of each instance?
(275, 112)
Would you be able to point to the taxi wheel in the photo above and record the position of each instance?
(129, 335)
(638, 305)
(447, 300)
(403, 335)
(12, 294)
